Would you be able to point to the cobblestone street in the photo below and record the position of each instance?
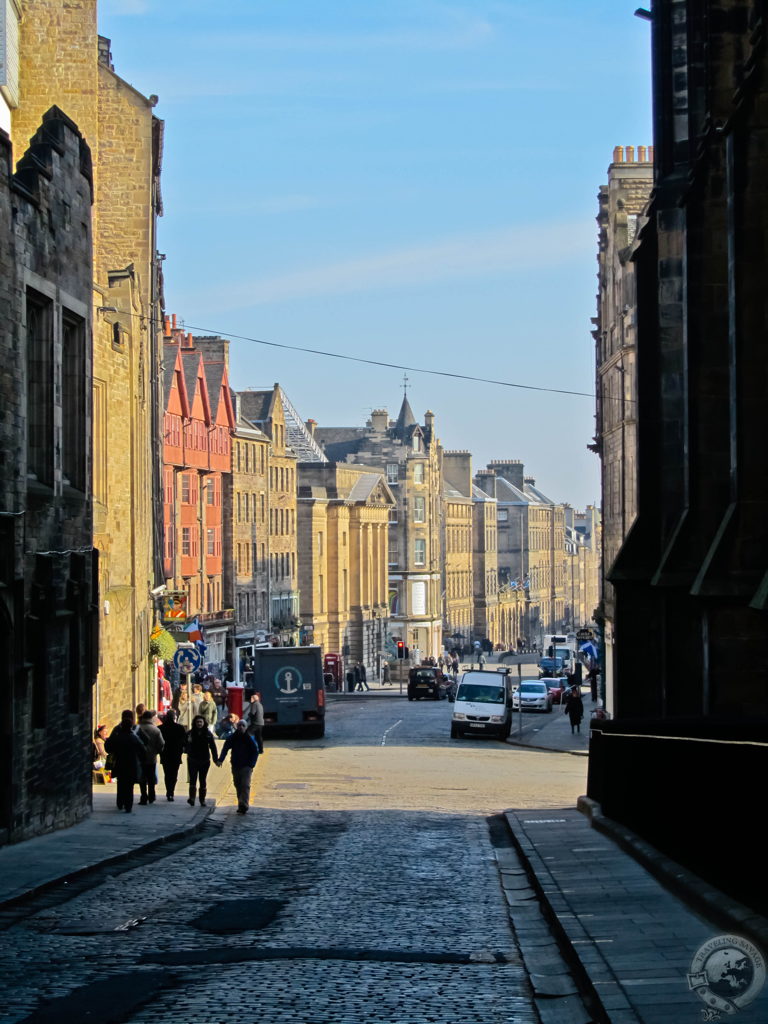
(392, 913)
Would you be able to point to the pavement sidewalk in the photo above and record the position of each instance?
(628, 940)
(107, 836)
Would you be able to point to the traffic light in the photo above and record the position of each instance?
(400, 649)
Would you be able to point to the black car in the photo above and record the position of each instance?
(426, 681)
(550, 667)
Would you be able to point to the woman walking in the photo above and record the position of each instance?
(185, 711)
(201, 748)
(574, 708)
(127, 751)
(153, 745)
(175, 737)
(207, 708)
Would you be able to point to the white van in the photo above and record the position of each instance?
(483, 705)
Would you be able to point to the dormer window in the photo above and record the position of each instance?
(416, 442)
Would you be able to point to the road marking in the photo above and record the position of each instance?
(389, 730)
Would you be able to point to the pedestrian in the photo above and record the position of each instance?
(98, 750)
(363, 676)
(386, 678)
(455, 667)
(217, 692)
(574, 708)
(356, 676)
(196, 697)
(594, 672)
(245, 754)
(180, 693)
(207, 709)
(254, 719)
(175, 742)
(127, 750)
(201, 747)
(481, 661)
(153, 745)
(140, 709)
(226, 726)
(185, 711)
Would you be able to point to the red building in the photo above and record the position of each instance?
(197, 471)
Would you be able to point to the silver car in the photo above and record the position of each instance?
(534, 695)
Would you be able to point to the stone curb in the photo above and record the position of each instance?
(117, 858)
(549, 750)
(537, 872)
(726, 912)
(368, 695)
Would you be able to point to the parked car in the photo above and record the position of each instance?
(534, 695)
(426, 681)
(557, 687)
(550, 667)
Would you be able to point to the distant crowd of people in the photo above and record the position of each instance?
(130, 752)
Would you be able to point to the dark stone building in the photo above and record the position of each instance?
(48, 618)
(680, 763)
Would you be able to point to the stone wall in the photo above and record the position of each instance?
(48, 588)
(61, 61)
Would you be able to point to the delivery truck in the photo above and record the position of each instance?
(290, 681)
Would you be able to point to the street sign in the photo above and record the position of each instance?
(187, 660)
(584, 634)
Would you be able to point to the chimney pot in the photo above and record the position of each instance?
(173, 323)
(618, 154)
(630, 154)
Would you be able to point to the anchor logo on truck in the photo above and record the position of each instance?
(288, 680)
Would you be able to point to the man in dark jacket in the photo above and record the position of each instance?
(175, 737)
(127, 751)
(253, 716)
(201, 749)
(245, 754)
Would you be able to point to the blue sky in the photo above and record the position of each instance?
(411, 180)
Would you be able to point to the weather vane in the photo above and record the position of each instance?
(405, 384)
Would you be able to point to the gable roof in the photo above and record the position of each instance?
(173, 371)
(537, 495)
(364, 486)
(508, 493)
(339, 442)
(194, 375)
(256, 406)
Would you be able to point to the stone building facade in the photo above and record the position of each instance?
(343, 521)
(582, 566)
(531, 542)
(250, 518)
(197, 482)
(458, 584)
(62, 60)
(620, 218)
(485, 559)
(408, 455)
(691, 578)
(48, 568)
(265, 410)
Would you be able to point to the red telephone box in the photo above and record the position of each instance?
(332, 664)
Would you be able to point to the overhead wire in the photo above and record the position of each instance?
(217, 332)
